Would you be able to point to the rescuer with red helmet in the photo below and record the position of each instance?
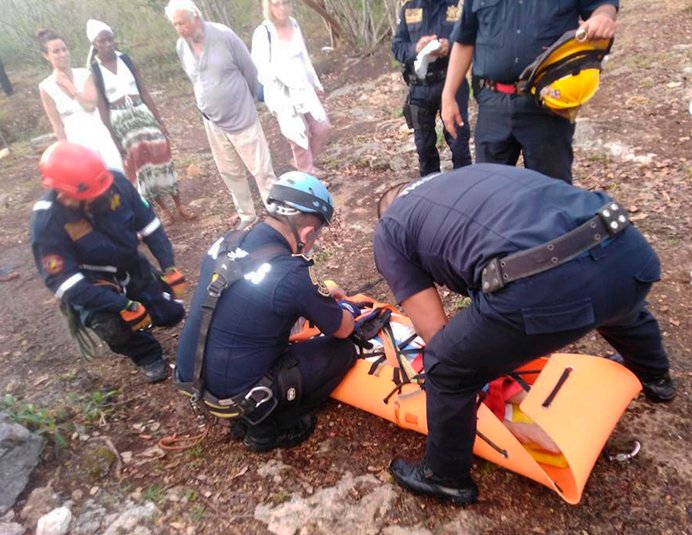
(84, 237)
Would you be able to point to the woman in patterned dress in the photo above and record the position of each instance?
(134, 121)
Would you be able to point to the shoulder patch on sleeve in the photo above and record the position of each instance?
(413, 15)
(317, 282)
(76, 230)
(454, 12)
(115, 202)
(52, 264)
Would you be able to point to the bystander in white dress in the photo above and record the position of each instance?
(82, 127)
(289, 79)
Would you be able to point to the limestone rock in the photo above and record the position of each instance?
(11, 528)
(41, 501)
(57, 522)
(19, 454)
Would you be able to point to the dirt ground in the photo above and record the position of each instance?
(634, 141)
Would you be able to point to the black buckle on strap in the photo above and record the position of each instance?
(615, 218)
(492, 276)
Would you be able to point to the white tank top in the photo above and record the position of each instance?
(120, 84)
(66, 105)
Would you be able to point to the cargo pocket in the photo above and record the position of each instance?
(651, 272)
(558, 318)
(647, 275)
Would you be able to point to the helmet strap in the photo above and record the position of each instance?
(294, 229)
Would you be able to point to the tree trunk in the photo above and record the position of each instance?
(336, 31)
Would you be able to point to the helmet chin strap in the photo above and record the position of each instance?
(294, 229)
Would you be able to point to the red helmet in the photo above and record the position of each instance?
(75, 171)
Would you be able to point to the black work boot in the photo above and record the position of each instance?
(237, 429)
(154, 371)
(659, 389)
(419, 479)
(266, 438)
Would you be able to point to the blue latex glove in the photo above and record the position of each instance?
(350, 306)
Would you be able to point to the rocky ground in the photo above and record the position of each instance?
(101, 424)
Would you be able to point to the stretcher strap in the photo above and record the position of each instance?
(376, 364)
(494, 446)
(395, 356)
(558, 386)
(406, 342)
(519, 379)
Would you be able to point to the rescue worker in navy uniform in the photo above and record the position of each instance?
(450, 229)
(84, 237)
(501, 38)
(420, 22)
(247, 340)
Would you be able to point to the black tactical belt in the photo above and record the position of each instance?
(430, 78)
(610, 220)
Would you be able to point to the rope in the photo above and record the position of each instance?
(88, 344)
(175, 443)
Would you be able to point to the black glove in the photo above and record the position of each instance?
(369, 326)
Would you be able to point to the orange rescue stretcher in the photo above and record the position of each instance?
(576, 399)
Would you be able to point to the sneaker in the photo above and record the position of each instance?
(660, 389)
(266, 440)
(154, 371)
(419, 479)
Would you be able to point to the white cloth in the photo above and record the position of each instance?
(82, 127)
(95, 27)
(289, 79)
(119, 84)
(424, 58)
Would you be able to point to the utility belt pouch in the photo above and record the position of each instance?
(257, 403)
(289, 380)
(422, 117)
(407, 111)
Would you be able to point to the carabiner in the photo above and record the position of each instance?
(624, 456)
(265, 390)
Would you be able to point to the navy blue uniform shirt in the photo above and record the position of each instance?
(423, 17)
(509, 34)
(445, 228)
(253, 318)
(73, 248)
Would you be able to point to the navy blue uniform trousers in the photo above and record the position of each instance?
(323, 362)
(508, 125)
(603, 289)
(429, 97)
(140, 346)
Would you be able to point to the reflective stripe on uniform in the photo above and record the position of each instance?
(69, 283)
(92, 267)
(150, 228)
(42, 205)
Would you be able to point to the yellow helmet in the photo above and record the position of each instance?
(566, 75)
